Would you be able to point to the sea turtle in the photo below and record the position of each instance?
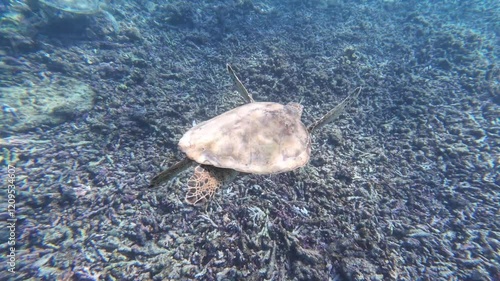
(255, 138)
(86, 7)
(82, 7)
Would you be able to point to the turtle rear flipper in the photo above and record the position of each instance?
(171, 172)
(205, 182)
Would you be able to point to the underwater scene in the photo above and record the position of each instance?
(250, 140)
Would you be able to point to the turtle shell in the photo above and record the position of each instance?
(74, 6)
(257, 138)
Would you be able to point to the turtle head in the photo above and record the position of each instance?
(294, 108)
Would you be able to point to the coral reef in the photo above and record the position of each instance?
(404, 187)
(55, 100)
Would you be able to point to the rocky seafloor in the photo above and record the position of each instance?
(404, 186)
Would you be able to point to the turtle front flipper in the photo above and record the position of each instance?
(241, 89)
(335, 112)
(205, 182)
(171, 172)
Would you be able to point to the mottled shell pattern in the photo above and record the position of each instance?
(257, 138)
